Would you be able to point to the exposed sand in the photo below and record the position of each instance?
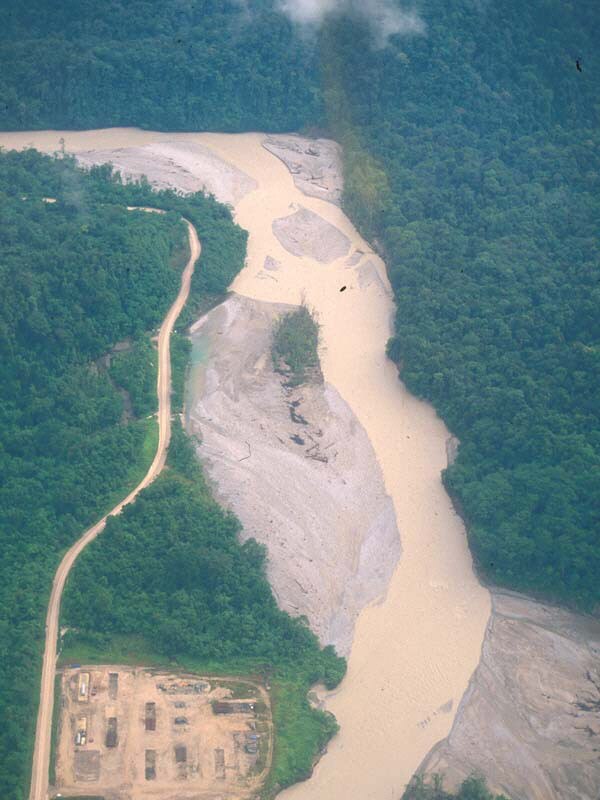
(414, 653)
(305, 233)
(529, 721)
(316, 164)
(368, 274)
(185, 166)
(296, 468)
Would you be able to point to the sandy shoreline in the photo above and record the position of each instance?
(413, 654)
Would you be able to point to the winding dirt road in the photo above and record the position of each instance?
(41, 753)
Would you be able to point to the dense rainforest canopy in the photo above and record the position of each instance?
(483, 190)
(78, 275)
(192, 65)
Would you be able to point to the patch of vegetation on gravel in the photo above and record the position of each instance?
(295, 346)
(473, 788)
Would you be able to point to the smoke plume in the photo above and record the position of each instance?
(385, 17)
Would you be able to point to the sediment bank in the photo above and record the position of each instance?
(529, 719)
(296, 467)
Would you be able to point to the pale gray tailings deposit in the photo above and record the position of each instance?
(530, 719)
(305, 233)
(315, 164)
(297, 469)
(183, 166)
(368, 275)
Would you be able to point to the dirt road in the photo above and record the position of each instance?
(41, 753)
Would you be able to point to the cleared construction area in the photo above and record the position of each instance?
(140, 733)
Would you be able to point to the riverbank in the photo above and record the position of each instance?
(413, 654)
(529, 719)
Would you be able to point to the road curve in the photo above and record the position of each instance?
(41, 753)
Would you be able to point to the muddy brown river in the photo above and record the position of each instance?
(415, 650)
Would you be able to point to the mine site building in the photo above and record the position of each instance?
(150, 717)
(81, 728)
(84, 683)
(113, 685)
(111, 732)
(220, 707)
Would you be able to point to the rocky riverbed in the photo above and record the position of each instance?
(530, 719)
(182, 166)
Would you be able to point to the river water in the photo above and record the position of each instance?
(413, 652)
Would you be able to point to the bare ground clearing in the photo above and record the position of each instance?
(136, 733)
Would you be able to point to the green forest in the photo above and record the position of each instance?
(135, 370)
(482, 190)
(473, 788)
(78, 275)
(158, 65)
